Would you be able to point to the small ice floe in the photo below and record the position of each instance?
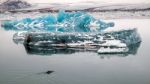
(19, 37)
(111, 47)
(112, 50)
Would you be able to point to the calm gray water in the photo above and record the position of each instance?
(18, 67)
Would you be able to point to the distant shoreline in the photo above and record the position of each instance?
(46, 10)
(98, 15)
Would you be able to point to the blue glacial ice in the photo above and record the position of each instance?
(63, 22)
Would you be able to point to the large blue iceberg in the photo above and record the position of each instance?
(63, 22)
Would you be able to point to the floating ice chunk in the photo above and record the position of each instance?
(125, 36)
(112, 50)
(114, 42)
(103, 42)
(19, 37)
(64, 22)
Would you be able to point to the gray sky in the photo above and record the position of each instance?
(72, 1)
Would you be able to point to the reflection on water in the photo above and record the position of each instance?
(46, 50)
(40, 50)
(133, 49)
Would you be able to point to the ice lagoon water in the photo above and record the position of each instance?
(18, 67)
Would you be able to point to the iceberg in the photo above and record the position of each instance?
(123, 41)
(63, 22)
(43, 50)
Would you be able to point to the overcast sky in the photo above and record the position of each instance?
(69, 1)
(73, 1)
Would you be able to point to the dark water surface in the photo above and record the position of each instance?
(18, 67)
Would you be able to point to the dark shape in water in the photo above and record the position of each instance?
(49, 72)
(46, 72)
